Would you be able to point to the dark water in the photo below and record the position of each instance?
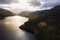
(9, 31)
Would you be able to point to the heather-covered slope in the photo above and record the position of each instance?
(46, 26)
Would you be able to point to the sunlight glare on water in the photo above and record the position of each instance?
(16, 20)
(12, 31)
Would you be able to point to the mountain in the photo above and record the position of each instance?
(32, 15)
(46, 25)
(4, 13)
(25, 13)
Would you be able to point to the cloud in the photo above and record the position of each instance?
(32, 5)
(41, 3)
(50, 3)
(47, 3)
(7, 1)
(35, 2)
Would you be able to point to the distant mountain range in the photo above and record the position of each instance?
(4, 13)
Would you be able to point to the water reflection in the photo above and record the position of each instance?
(10, 29)
(15, 20)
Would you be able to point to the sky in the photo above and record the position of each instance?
(36, 2)
(7, 1)
(32, 5)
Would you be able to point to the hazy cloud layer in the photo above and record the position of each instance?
(35, 4)
(7, 1)
(50, 3)
(46, 3)
(41, 3)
